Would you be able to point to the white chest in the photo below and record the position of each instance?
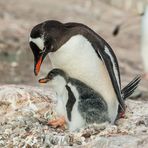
(61, 104)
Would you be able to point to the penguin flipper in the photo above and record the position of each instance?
(130, 88)
(111, 64)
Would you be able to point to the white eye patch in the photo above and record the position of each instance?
(38, 41)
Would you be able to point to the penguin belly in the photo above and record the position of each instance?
(77, 121)
(61, 103)
(60, 109)
(79, 60)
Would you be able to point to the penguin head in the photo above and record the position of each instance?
(43, 39)
(57, 79)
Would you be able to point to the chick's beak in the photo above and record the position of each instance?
(44, 80)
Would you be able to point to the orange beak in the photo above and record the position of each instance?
(44, 80)
(38, 65)
(38, 61)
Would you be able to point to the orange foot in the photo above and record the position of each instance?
(145, 76)
(121, 115)
(60, 122)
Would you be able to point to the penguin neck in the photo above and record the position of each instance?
(58, 85)
(59, 91)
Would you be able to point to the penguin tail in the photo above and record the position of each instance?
(130, 88)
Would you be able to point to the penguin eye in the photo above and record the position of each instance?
(51, 76)
(47, 41)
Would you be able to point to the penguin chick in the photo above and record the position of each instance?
(57, 80)
(77, 102)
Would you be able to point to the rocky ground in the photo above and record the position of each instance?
(25, 111)
(25, 108)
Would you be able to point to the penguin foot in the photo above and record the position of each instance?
(60, 122)
(121, 115)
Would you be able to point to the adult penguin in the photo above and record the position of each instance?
(84, 55)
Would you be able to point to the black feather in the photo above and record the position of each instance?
(130, 88)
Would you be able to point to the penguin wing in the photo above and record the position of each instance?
(109, 58)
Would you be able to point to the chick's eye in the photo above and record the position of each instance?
(51, 75)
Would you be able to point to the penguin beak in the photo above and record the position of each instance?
(37, 57)
(44, 80)
(37, 65)
(39, 60)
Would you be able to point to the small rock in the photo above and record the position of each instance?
(140, 122)
(14, 64)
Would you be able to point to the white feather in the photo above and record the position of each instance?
(58, 83)
(38, 41)
(60, 107)
(114, 66)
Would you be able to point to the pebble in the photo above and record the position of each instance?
(14, 64)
